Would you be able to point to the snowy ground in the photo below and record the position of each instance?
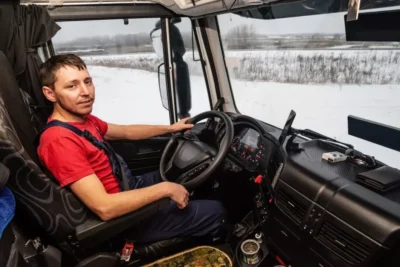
(132, 96)
(338, 66)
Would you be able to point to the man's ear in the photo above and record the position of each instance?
(49, 94)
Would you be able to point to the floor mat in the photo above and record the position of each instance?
(203, 256)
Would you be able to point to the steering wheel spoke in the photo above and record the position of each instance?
(169, 166)
(194, 172)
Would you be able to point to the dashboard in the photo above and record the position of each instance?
(248, 148)
(253, 145)
(320, 215)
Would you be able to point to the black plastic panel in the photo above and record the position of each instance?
(338, 222)
(374, 132)
(376, 26)
(115, 11)
(100, 260)
(94, 232)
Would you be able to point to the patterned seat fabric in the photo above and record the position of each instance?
(39, 198)
(37, 122)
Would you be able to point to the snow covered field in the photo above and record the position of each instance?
(324, 108)
(132, 96)
(285, 66)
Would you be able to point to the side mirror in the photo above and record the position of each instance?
(156, 41)
(181, 70)
(162, 84)
(182, 86)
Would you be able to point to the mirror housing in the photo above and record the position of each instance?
(182, 86)
(181, 70)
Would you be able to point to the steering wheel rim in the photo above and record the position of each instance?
(213, 161)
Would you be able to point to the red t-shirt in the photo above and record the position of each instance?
(70, 157)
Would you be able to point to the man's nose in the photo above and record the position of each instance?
(84, 89)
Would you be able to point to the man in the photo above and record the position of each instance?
(77, 163)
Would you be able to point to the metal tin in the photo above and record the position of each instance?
(251, 251)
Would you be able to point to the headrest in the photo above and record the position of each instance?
(4, 174)
(13, 107)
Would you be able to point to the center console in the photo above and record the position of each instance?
(321, 216)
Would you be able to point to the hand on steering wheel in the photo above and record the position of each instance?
(193, 161)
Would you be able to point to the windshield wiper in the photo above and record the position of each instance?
(314, 135)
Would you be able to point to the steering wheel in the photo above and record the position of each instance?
(193, 161)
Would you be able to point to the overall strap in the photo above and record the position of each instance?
(53, 123)
(113, 157)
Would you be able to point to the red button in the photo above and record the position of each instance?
(259, 179)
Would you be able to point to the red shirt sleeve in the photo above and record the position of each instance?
(100, 124)
(66, 159)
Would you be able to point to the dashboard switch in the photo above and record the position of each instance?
(258, 179)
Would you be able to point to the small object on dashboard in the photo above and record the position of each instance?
(287, 128)
(292, 146)
(382, 179)
(334, 157)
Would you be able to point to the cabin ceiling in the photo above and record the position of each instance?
(180, 7)
(261, 9)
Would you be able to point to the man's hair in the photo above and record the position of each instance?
(49, 68)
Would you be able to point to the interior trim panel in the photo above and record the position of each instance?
(322, 217)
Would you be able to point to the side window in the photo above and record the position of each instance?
(196, 79)
(123, 64)
(190, 86)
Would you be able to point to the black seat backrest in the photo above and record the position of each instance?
(36, 121)
(39, 198)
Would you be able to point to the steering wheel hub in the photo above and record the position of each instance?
(191, 161)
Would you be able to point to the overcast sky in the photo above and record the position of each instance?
(327, 23)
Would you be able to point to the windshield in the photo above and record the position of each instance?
(127, 68)
(305, 64)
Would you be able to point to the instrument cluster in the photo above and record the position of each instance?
(248, 148)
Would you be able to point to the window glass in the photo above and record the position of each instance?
(196, 86)
(123, 63)
(305, 64)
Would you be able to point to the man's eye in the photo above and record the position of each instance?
(71, 86)
(88, 82)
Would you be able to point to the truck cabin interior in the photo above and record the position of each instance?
(294, 196)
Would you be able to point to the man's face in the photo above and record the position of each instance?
(73, 91)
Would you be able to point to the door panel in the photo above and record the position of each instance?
(142, 155)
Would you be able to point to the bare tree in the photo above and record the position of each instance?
(241, 37)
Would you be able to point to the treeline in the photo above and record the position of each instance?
(123, 42)
(297, 67)
(241, 37)
(319, 67)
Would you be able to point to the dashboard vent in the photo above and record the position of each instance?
(291, 207)
(345, 246)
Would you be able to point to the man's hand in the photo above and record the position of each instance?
(178, 194)
(181, 125)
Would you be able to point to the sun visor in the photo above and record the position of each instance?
(381, 26)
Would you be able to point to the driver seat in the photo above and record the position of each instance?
(55, 213)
